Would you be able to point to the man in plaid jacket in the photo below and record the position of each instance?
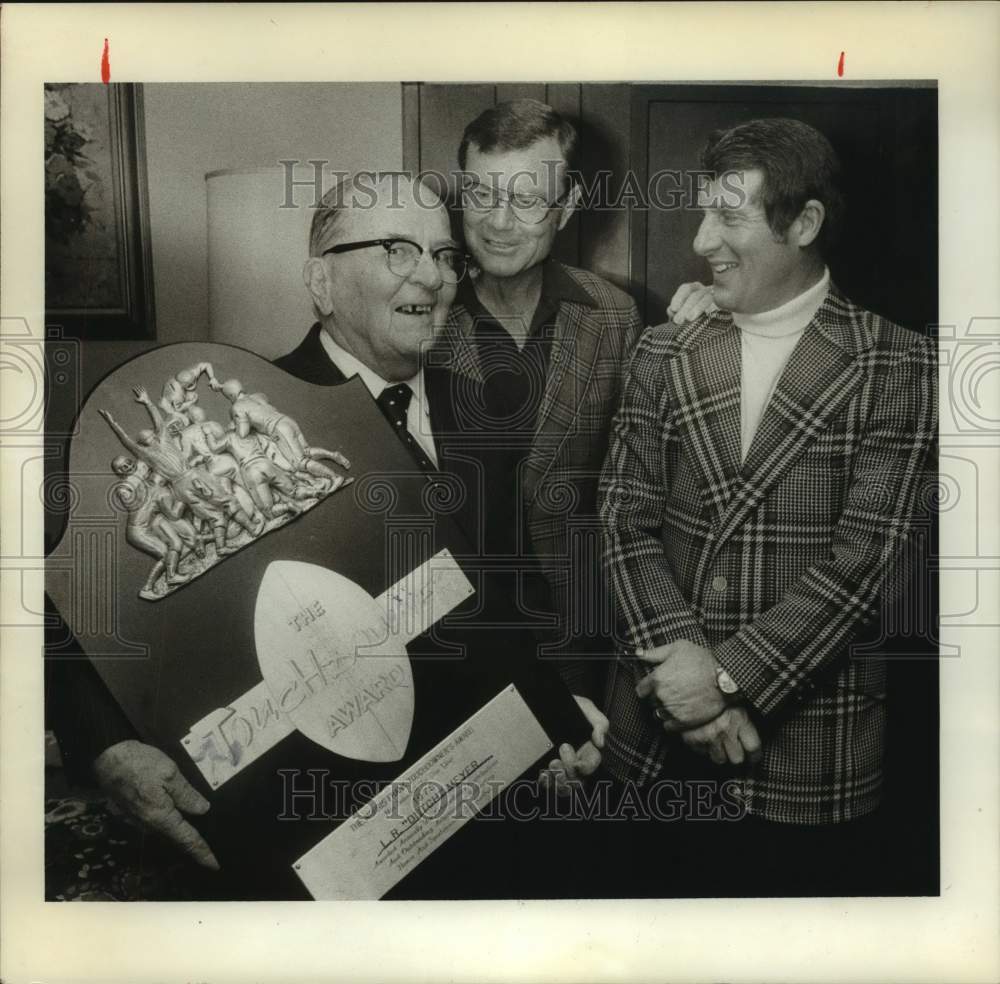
(546, 345)
(762, 479)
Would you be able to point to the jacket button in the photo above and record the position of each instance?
(719, 583)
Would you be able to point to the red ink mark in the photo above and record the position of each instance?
(840, 65)
(105, 64)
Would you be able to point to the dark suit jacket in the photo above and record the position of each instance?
(79, 708)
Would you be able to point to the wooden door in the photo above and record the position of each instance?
(886, 139)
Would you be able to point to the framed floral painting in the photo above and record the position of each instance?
(98, 265)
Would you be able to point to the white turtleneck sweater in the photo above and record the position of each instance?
(767, 340)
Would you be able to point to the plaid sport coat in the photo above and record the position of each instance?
(596, 328)
(776, 563)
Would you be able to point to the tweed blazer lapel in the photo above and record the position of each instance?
(705, 382)
(572, 363)
(573, 359)
(820, 377)
(455, 349)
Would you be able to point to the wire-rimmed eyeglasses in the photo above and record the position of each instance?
(529, 209)
(403, 255)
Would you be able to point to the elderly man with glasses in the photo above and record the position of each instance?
(382, 274)
(548, 343)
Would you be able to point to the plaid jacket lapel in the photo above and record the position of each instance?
(454, 348)
(705, 381)
(821, 375)
(573, 359)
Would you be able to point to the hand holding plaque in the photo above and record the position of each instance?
(254, 626)
(574, 765)
(148, 786)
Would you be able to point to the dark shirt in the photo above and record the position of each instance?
(513, 386)
(514, 377)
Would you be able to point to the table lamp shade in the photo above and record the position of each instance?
(256, 250)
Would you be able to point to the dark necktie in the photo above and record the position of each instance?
(394, 401)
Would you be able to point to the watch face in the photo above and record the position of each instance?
(726, 683)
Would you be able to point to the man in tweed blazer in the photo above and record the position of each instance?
(548, 343)
(762, 479)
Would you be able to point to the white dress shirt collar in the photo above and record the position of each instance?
(418, 415)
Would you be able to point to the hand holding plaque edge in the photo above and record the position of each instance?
(574, 765)
(147, 785)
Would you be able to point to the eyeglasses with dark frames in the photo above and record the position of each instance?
(403, 255)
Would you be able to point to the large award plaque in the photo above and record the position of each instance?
(279, 599)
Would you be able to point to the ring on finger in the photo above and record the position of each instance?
(662, 713)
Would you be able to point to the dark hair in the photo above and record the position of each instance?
(516, 125)
(797, 162)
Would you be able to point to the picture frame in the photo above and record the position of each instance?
(98, 259)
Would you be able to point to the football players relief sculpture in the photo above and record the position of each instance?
(195, 490)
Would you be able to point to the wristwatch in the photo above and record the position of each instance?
(726, 683)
